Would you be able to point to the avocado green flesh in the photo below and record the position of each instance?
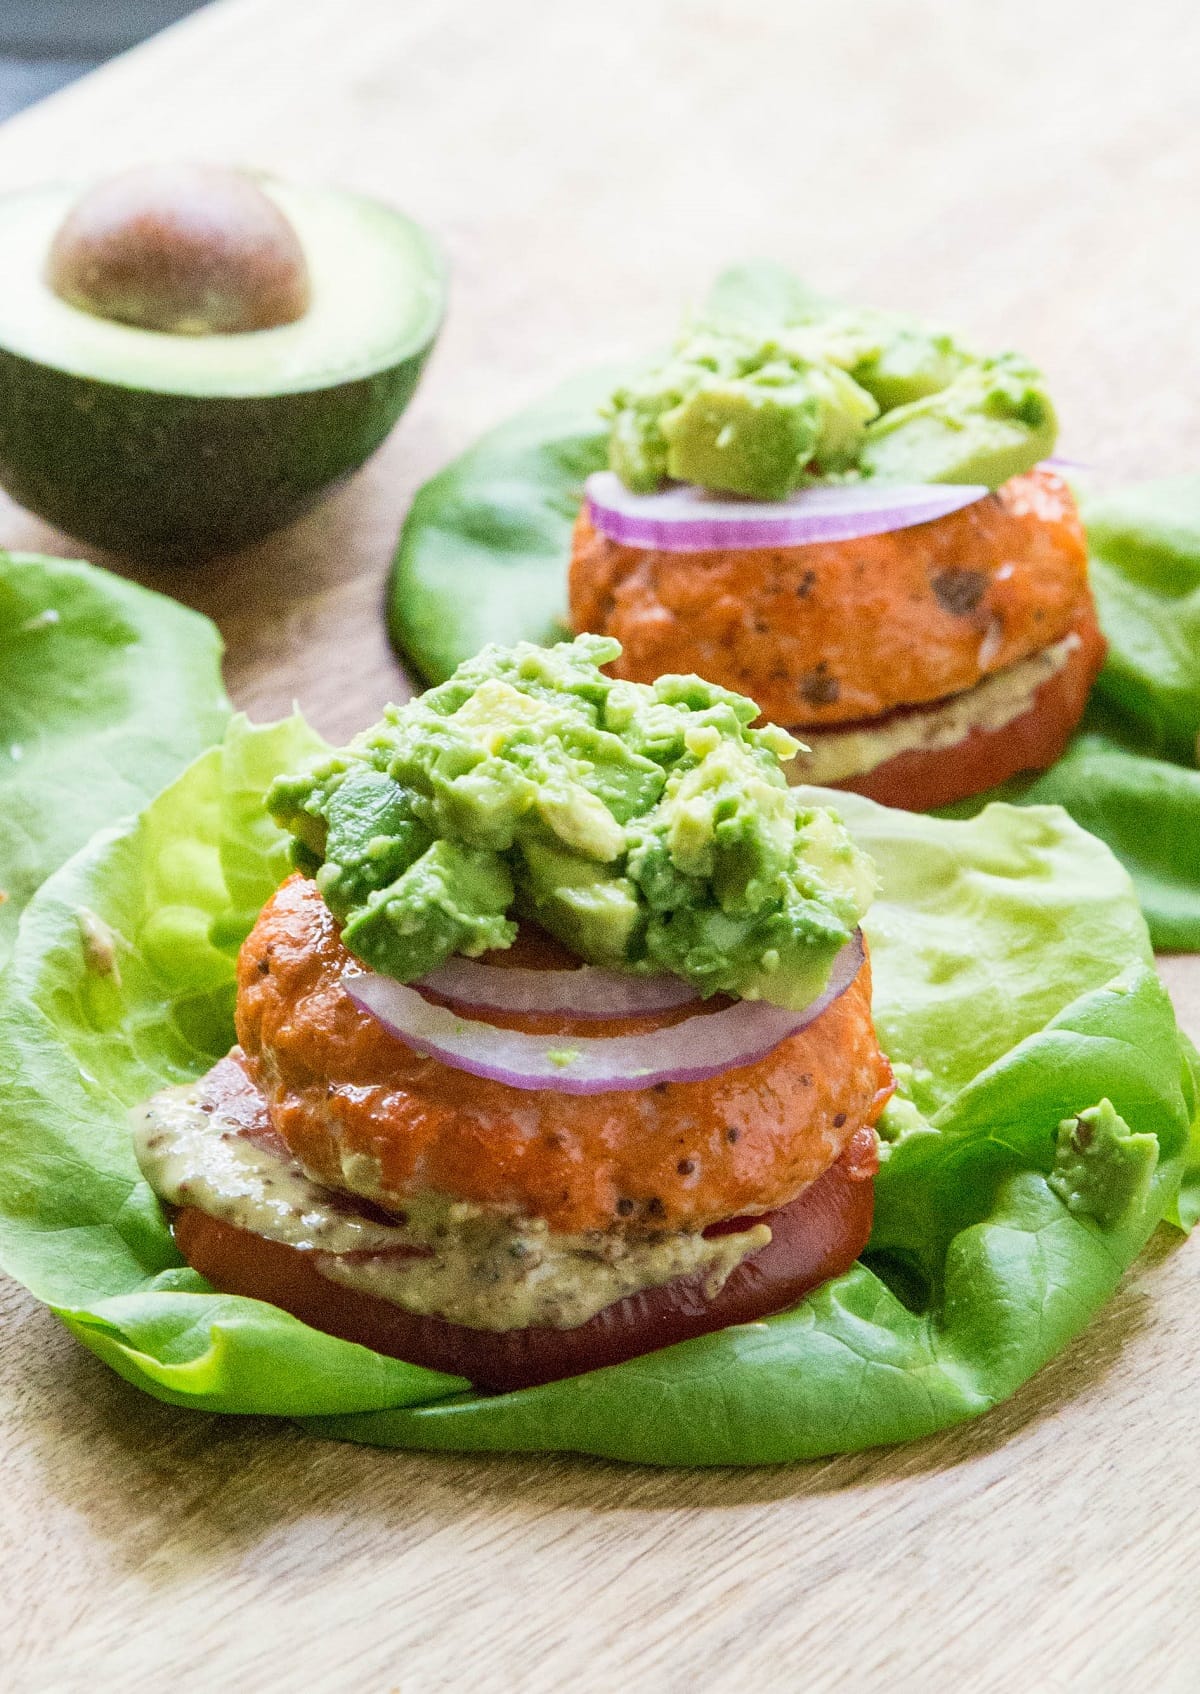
(1102, 1170)
(764, 410)
(993, 421)
(648, 828)
(176, 446)
(378, 292)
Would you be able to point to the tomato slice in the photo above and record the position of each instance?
(922, 780)
(814, 1238)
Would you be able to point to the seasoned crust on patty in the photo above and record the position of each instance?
(361, 1110)
(832, 632)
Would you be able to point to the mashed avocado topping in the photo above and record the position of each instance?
(648, 828)
(836, 392)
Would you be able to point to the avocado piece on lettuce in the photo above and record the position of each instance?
(649, 828)
(1102, 1170)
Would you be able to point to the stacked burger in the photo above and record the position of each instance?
(557, 1046)
(854, 519)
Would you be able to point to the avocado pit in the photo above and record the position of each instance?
(186, 249)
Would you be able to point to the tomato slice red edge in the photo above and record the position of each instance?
(816, 1237)
(922, 780)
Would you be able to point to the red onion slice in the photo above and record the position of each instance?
(586, 992)
(685, 519)
(690, 1051)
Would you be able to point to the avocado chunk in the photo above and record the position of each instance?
(896, 359)
(910, 362)
(738, 416)
(757, 435)
(992, 422)
(1102, 1170)
(647, 828)
(460, 896)
(372, 836)
(743, 436)
(176, 445)
(591, 911)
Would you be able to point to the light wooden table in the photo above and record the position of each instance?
(1029, 170)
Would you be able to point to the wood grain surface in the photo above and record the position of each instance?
(1030, 171)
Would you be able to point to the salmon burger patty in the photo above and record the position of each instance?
(921, 665)
(360, 1109)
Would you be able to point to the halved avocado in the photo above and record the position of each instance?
(171, 445)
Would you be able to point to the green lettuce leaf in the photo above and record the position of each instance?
(87, 1031)
(1014, 988)
(1185, 1214)
(484, 551)
(106, 692)
(483, 557)
(759, 295)
(1145, 547)
(1146, 809)
(1130, 774)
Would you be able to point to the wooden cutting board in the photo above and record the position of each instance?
(1031, 171)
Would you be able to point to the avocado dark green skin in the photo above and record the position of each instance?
(175, 477)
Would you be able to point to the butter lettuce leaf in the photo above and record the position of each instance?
(1185, 1213)
(106, 692)
(1146, 809)
(484, 551)
(1145, 568)
(86, 1032)
(1130, 775)
(1014, 985)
